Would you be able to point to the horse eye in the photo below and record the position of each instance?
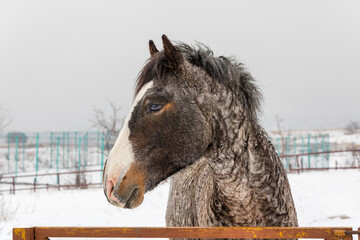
(155, 107)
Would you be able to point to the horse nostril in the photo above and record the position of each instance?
(109, 188)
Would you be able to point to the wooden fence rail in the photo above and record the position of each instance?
(43, 233)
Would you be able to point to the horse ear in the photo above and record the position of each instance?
(173, 56)
(152, 48)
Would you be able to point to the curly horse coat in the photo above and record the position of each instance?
(195, 119)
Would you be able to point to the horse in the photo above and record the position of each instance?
(194, 119)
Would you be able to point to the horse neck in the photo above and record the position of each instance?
(241, 150)
(244, 149)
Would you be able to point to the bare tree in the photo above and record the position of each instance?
(355, 155)
(109, 124)
(280, 129)
(5, 119)
(352, 127)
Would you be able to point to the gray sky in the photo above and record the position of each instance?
(58, 59)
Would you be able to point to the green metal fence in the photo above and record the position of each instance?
(79, 150)
(300, 144)
(53, 151)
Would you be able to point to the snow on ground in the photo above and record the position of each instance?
(326, 198)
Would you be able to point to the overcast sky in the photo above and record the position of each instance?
(59, 59)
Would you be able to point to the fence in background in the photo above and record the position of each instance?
(297, 162)
(304, 144)
(51, 151)
(88, 178)
(64, 180)
(49, 157)
(43, 233)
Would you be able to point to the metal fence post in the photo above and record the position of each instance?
(316, 150)
(97, 146)
(63, 150)
(8, 154)
(79, 154)
(328, 149)
(297, 160)
(288, 151)
(13, 184)
(68, 150)
(57, 157)
(322, 150)
(75, 146)
(309, 150)
(23, 153)
(86, 137)
(58, 181)
(102, 154)
(16, 155)
(37, 156)
(302, 151)
(51, 149)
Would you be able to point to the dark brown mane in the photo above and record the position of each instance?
(226, 71)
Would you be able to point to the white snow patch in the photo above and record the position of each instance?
(322, 199)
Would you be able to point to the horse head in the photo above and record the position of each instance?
(165, 131)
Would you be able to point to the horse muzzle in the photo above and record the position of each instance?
(126, 189)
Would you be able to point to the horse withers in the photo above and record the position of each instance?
(195, 119)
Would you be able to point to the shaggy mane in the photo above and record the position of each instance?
(224, 70)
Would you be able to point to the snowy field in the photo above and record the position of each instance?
(327, 198)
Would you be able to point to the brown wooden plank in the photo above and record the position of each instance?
(193, 232)
(23, 234)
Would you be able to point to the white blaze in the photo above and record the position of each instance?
(121, 155)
